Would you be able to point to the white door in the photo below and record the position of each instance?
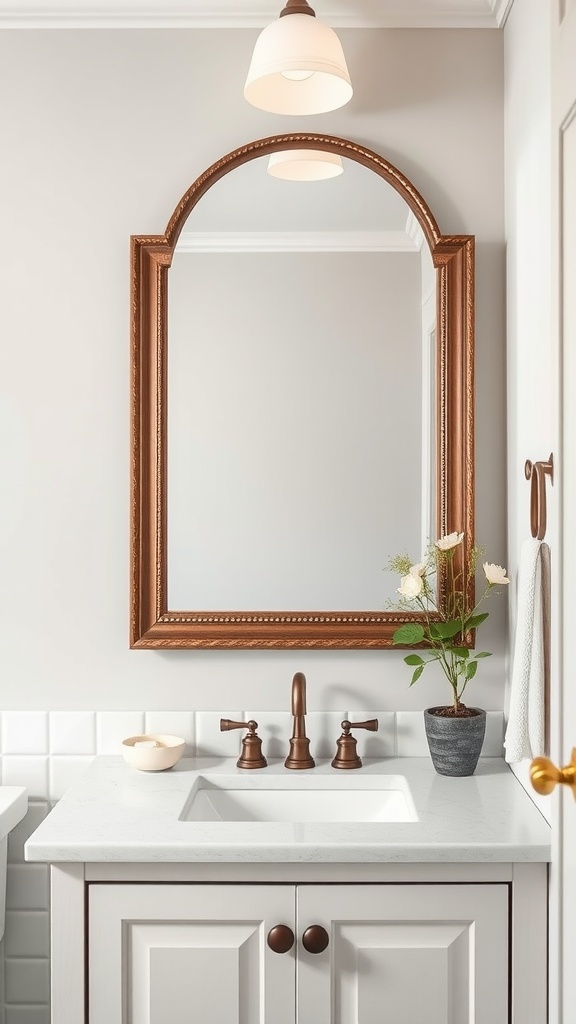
(405, 954)
(163, 953)
(564, 125)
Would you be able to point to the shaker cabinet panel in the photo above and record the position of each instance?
(178, 952)
(409, 954)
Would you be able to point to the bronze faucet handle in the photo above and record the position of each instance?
(226, 724)
(251, 756)
(346, 756)
(371, 725)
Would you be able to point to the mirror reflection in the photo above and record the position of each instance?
(301, 383)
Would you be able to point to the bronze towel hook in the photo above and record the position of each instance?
(537, 472)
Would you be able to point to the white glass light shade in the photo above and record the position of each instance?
(305, 165)
(298, 43)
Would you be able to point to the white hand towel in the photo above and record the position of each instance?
(525, 733)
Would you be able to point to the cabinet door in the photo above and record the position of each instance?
(161, 953)
(404, 954)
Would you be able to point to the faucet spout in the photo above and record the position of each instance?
(299, 695)
(299, 756)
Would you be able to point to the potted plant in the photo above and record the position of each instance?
(455, 732)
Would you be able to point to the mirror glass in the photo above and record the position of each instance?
(301, 380)
(302, 400)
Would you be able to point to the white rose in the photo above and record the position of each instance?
(451, 540)
(418, 570)
(410, 586)
(495, 574)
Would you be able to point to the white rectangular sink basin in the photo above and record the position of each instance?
(277, 799)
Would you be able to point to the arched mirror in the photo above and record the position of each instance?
(302, 403)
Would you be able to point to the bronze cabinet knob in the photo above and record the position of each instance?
(315, 939)
(280, 938)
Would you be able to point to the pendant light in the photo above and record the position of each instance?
(305, 165)
(298, 65)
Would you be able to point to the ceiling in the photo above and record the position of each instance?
(249, 13)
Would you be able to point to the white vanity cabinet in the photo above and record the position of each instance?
(158, 918)
(409, 953)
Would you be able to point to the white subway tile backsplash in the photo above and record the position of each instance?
(494, 738)
(30, 771)
(27, 981)
(65, 769)
(323, 729)
(381, 743)
(72, 732)
(27, 933)
(210, 742)
(173, 723)
(114, 726)
(275, 730)
(25, 732)
(410, 734)
(27, 887)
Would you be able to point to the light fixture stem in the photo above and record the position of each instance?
(297, 7)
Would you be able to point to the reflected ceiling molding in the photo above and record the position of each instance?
(296, 241)
(414, 231)
(501, 9)
(249, 13)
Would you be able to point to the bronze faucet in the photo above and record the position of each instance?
(299, 756)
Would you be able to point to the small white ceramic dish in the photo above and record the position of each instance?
(152, 753)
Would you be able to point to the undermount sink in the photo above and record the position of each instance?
(379, 799)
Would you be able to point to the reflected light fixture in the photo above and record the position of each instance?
(298, 65)
(305, 165)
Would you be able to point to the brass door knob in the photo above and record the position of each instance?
(280, 938)
(544, 775)
(315, 939)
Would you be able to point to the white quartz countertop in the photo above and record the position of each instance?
(115, 813)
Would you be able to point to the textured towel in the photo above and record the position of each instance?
(525, 733)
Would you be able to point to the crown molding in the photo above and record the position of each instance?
(295, 241)
(249, 13)
(501, 9)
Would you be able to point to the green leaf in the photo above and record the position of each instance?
(476, 620)
(483, 654)
(414, 659)
(416, 675)
(444, 630)
(411, 633)
(471, 669)
(460, 652)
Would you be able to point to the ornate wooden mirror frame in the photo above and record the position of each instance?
(153, 624)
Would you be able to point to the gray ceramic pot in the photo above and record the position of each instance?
(455, 743)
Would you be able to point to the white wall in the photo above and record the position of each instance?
(102, 132)
(532, 372)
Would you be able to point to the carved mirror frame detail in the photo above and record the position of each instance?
(155, 626)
